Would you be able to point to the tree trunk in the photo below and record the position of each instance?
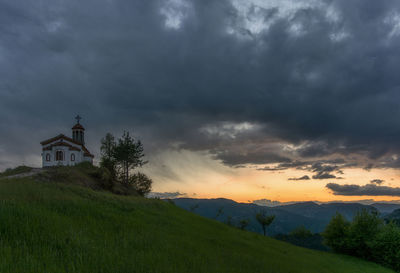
(126, 174)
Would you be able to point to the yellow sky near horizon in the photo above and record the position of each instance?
(199, 175)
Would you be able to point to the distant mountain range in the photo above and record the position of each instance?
(394, 216)
(386, 208)
(311, 215)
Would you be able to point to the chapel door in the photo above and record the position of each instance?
(59, 156)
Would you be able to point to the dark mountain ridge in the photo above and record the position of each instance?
(311, 215)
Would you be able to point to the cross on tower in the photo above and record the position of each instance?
(78, 118)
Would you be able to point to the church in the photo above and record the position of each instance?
(66, 151)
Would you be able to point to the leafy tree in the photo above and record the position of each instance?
(243, 223)
(265, 221)
(362, 232)
(128, 154)
(386, 247)
(120, 158)
(141, 183)
(336, 233)
(107, 146)
(107, 150)
(367, 236)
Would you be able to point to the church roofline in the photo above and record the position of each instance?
(60, 143)
(78, 126)
(61, 136)
(50, 140)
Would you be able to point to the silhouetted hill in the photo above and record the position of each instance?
(224, 209)
(325, 211)
(394, 216)
(311, 215)
(386, 208)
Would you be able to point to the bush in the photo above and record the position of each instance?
(363, 230)
(141, 183)
(104, 177)
(367, 236)
(301, 232)
(243, 224)
(336, 234)
(386, 247)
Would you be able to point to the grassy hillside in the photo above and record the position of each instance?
(54, 227)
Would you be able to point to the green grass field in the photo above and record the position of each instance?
(55, 227)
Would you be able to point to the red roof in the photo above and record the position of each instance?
(78, 126)
(60, 143)
(60, 136)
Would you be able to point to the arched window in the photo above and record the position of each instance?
(59, 156)
(47, 157)
(72, 157)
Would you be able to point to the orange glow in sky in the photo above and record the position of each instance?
(198, 175)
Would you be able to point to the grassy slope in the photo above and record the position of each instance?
(49, 227)
(18, 170)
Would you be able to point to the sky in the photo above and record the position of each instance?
(256, 100)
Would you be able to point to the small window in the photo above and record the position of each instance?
(72, 157)
(47, 157)
(59, 156)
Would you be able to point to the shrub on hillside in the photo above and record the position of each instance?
(301, 232)
(386, 246)
(301, 236)
(362, 232)
(141, 183)
(336, 234)
(367, 236)
(243, 224)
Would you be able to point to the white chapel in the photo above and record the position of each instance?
(66, 151)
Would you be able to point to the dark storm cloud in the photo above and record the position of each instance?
(367, 190)
(321, 85)
(324, 176)
(377, 181)
(304, 177)
(286, 165)
(324, 171)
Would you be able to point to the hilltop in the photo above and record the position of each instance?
(49, 226)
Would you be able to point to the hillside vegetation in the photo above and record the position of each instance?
(47, 226)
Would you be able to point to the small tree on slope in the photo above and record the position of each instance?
(265, 221)
(107, 149)
(129, 155)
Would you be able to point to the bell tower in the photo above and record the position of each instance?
(78, 132)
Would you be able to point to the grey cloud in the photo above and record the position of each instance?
(323, 175)
(366, 190)
(304, 177)
(120, 67)
(324, 171)
(285, 166)
(272, 169)
(377, 181)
